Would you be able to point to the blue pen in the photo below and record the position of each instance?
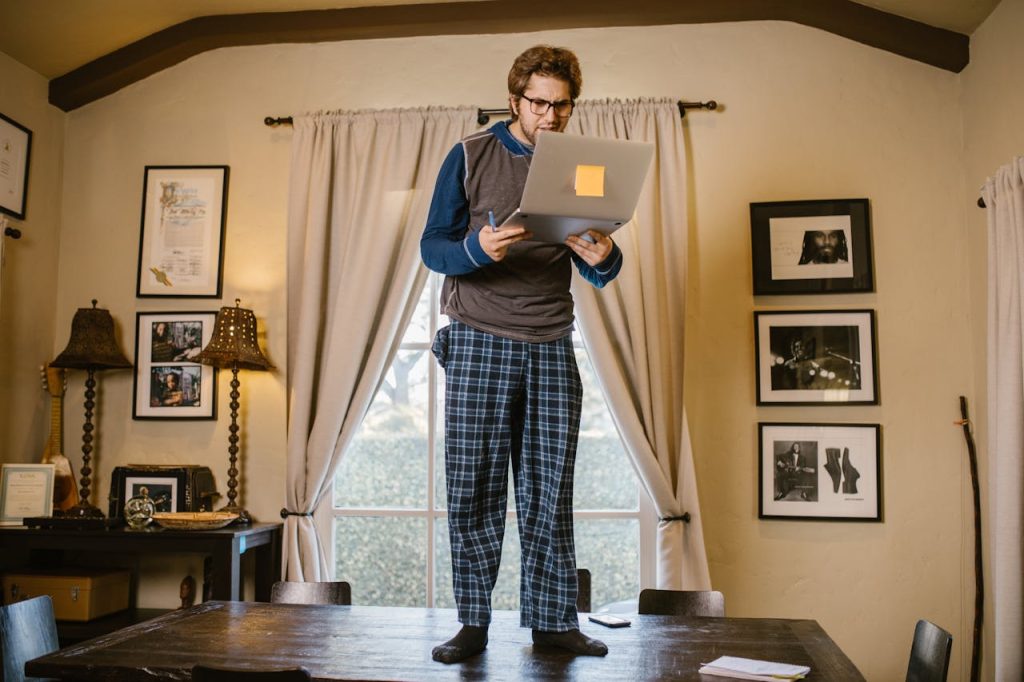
(490, 218)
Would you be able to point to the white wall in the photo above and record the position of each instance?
(806, 115)
(29, 286)
(993, 121)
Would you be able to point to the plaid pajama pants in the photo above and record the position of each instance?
(508, 399)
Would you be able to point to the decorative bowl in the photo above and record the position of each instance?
(194, 520)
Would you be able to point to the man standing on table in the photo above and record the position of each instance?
(512, 387)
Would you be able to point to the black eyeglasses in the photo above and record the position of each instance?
(540, 106)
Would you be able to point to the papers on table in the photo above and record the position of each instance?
(750, 669)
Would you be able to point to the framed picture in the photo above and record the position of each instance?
(811, 247)
(15, 152)
(162, 489)
(169, 383)
(181, 248)
(829, 472)
(26, 490)
(815, 357)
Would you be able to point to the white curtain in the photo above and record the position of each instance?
(360, 187)
(1004, 197)
(634, 331)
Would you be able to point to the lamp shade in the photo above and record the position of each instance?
(92, 344)
(233, 343)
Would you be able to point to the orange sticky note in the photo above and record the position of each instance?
(589, 181)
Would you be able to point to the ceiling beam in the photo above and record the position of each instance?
(935, 46)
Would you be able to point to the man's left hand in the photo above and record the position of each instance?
(592, 252)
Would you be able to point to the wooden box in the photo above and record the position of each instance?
(79, 594)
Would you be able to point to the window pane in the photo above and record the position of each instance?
(383, 558)
(386, 464)
(610, 549)
(418, 330)
(506, 589)
(604, 477)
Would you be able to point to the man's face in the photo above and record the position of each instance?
(529, 124)
(826, 244)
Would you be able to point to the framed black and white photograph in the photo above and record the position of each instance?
(827, 472)
(181, 247)
(811, 247)
(818, 357)
(169, 382)
(15, 153)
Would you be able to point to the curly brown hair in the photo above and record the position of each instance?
(545, 60)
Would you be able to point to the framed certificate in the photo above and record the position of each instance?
(26, 490)
(15, 150)
(181, 248)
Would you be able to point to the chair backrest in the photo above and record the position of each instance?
(204, 673)
(336, 593)
(27, 630)
(682, 603)
(929, 654)
(583, 590)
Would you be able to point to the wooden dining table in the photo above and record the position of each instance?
(393, 644)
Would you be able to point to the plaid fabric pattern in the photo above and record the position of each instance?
(519, 401)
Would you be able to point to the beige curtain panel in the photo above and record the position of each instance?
(634, 331)
(360, 187)
(1004, 197)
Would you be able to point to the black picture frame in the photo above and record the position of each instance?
(181, 238)
(819, 472)
(169, 383)
(818, 246)
(815, 357)
(15, 156)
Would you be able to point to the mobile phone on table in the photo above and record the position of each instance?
(609, 621)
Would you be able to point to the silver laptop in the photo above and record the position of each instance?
(578, 183)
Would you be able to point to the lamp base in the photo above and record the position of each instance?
(83, 510)
(244, 517)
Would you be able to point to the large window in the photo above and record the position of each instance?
(389, 525)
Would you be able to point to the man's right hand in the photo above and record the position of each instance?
(495, 243)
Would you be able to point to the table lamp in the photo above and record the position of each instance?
(92, 347)
(233, 345)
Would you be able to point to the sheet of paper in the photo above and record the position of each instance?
(589, 181)
(752, 669)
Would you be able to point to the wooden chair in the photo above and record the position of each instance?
(27, 630)
(929, 654)
(331, 593)
(682, 603)
(205, 673)
(583, 590)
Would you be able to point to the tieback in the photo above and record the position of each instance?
(685, 518)
(285, 513)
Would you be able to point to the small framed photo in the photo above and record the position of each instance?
(826, 472)
(161, 488)
(815, 357)
(26, 490)
(15, 152)
(811, 247)
(169, 382)
(181, 248)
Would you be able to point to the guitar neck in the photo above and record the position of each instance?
(56, 441)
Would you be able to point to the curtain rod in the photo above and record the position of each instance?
(483, 115)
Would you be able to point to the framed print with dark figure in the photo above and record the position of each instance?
(815, 357)
(826, 472)
(811, 247)
(181, 247)
(169, 383)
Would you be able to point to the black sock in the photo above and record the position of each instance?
(573, 640)
(470, 641)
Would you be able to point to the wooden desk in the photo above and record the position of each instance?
(381, 643)
(225, 547)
